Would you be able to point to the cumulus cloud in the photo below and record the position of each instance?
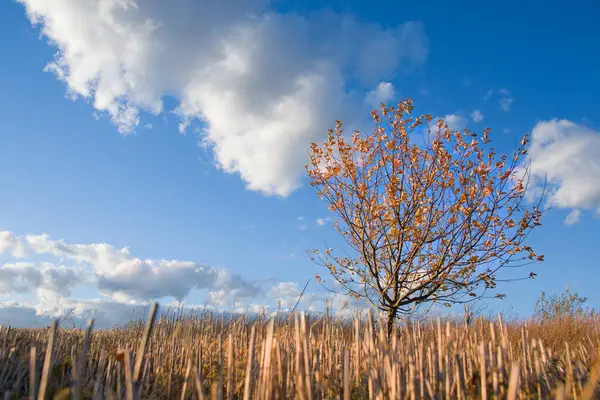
(454, 122)
(19, 278)
(262, 84)
(477, 116)
(8, 242)
(568, 156)
(383, 93)
(115, 272)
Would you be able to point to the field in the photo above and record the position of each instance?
(293, 356)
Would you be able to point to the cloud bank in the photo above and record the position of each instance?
(116, 273)
(46, 278)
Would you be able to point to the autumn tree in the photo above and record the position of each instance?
(426, 223)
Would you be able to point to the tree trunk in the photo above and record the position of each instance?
(391, 319)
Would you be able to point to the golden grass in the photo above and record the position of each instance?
(206, 356)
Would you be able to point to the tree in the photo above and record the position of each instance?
(567, 304)
(426, 223)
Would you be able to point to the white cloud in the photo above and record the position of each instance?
(323, 221)
(106, 313)
(506, 100)
(383, 93)
(573, 217)
(27, 277)
(116, 272)
(263, 84)
(454, 122)
(488, 94)
(568, 155)
(127, 284)
(8, 241)
(477, 116)
(19, 278)
(183, 125)
(288, 293)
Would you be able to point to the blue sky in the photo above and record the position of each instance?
(113, 166)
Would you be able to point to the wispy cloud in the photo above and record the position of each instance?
(302, 223)
(505, 103)
(505, 100)
(477, 116)
(573, 217)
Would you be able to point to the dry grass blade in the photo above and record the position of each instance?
(346, 375)
(45, 380)
(125, 357)
(199, 385)
(230, 371)
(188, 371)
(144, 343)
(513, 386)
(248, 378)
(33, 373)
(79, 370)
(483, 372)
